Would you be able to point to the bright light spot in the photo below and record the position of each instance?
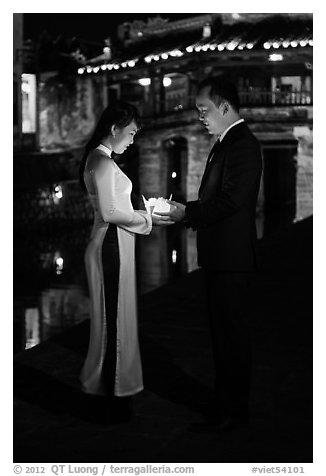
(80, 70)
(131, 63)
(212, 47)
(198, 48)
(205, 47)
(303, 43)
(96, 69)
(164, 56)
(231, 46)
(116, 66)
(167, 81)
(174, 256)
(58, 262)
(89, 69)
(144, 81)
(26, 88)
(294, 44)
(124, 65)
(103, 67)
(267, 45)
(58, 191)
(250, 46)
(310, 42)
(275, 57)
(220, 47)
(189, 49)
(286, 44)
(174, 174)
(148, 59)
(276, 44)
(235, 16)
(156, 58)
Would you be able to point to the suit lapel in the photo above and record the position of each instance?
(214, 151)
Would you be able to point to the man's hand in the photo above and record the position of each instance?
(161, 221)
(176, 213)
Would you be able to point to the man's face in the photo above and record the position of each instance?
(209, 114)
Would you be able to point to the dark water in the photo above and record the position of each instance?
(50, 286)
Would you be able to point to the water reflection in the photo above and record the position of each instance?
(50, 285)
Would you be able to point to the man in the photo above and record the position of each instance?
(224, 217)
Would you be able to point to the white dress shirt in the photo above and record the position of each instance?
(221, 137)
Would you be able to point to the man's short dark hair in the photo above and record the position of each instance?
(221, 89)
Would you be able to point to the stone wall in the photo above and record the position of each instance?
(69, 109)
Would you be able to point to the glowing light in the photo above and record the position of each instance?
(57, 194)
(205, 47)
(116, 66)
(26, 88)
(231, 46)
(96, 69)
(103, 67)
(303, 42)
(235, 16)
(131, 63)
(58, 262)
(267, 45)
(174, 174)
(198, 48)
(174, 256)
(190, 49)
(276, 44)
(109, 66)
(310, 42)
(220, 47)
(275, 57)
(156, 58)
(213, 47)
(80, 70)
(286, 44)
(250, 46)
(58, 191)
(124, 65)
(144, 81)
(167, 81)
(89, 69)
(241, 47)
(164, 56)
(294, 44)
(176, 53)
(148, 59)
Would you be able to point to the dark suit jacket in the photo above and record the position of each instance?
(224, 214)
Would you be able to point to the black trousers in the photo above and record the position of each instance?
(111, 268)
(228, 307)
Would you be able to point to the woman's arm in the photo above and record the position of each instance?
(104, 179)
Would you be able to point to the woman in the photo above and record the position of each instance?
(113, 365)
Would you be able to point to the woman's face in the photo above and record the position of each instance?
(123, 137)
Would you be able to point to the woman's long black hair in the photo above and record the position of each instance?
(120, 114)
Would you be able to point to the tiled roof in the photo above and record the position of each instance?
(271, 32)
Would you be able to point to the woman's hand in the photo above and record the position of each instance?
(161, 220)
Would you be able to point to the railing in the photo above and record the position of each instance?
(251, 97)
(267, 97)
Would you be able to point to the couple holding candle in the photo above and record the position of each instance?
(224, 218)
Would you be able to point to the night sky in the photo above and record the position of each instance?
(88, 26)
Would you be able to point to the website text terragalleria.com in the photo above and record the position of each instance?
(61, 469)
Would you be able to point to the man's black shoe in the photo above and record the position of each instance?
(218, 425)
